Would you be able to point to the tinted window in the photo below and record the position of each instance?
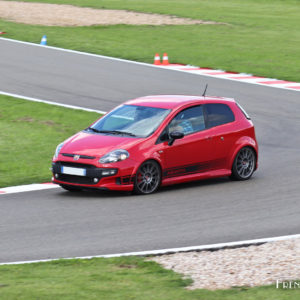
(188, 121)
(218, 114)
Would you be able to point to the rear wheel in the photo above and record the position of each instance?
(71, 188)
(148, 178)
(244, 164)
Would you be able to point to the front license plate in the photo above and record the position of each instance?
(73, 171)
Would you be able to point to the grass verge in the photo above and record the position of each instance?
(115, 278)
(262, 37)
(29, 134)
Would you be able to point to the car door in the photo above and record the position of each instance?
(192, 153)
(219, 119)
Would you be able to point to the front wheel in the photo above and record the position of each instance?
(148, 178)
(244, 164)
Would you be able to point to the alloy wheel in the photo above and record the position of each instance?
(244, 164)
(147, 178)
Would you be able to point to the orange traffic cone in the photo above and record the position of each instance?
(165, 59)
(157, 59)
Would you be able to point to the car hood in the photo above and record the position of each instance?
(95, 144)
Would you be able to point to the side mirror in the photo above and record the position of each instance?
(175, 135)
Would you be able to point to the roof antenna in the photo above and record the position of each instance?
(205, 90)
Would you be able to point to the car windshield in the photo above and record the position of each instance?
(131, 120)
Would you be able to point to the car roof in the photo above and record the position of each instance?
(175, 101)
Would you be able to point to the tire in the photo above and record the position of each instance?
(71, 188)
(148, 178)
(244, 164)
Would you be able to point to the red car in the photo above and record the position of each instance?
(159, 140)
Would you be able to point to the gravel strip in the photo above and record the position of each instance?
(68, 15)
(247, 266)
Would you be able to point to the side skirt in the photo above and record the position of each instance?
(197, 176)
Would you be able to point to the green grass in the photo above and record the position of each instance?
(118, 278)
(29, 134)
(262, 37)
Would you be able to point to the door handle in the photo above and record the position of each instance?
(209, 138)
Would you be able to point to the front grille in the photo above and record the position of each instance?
(80, 156)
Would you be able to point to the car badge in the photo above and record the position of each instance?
(76, 157)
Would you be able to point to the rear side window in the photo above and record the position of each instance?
(218, 114)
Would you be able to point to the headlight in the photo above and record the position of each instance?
(114, 156)
(58, 148)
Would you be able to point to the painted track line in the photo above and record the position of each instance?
(212, 247)
(80, 52)
(220, 74)
(28, 188)
(240, 77)
(51, 102)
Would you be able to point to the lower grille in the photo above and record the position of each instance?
(75, 179)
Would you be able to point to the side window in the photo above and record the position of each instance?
(188, 121)
(218, 114)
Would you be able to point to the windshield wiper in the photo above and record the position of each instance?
(118, 132)
(112, 131)
(93, 129)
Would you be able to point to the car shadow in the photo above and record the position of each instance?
(93, 193)
(196, 183)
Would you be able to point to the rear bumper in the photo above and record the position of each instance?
(96, 178)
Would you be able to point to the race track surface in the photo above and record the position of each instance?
(54, 223)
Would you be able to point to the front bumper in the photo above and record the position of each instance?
(95, 177)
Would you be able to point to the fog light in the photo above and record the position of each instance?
(96, 180)
(56, 175)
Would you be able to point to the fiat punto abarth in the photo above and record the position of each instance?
(155, 141)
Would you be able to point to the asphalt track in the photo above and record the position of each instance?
(53, 223)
